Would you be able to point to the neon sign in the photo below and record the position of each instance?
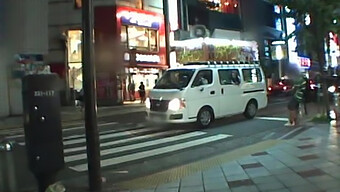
(139, 19)
(304, 62)
(147, 58)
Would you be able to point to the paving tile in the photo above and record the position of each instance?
(311, 173)
(327, 185)
(257, 172)
(265, 179)
(237, 170)
(247, 160)
(259, 153)
(290, 180)
(304, 188)
(251, 165)
(308, 157)
(214, 179)
(237, 177)
(306, 146)
(278, 190)
(245, 189)
(216, 186)
(215, 173)
(322, 178)
(270, 186)
(301, 168)
(239, 183)
(305, 138)
(192, 189)
(218, 190)
(167, 190)
(281, 171)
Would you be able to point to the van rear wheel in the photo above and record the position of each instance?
(205, 117)
(251, 110)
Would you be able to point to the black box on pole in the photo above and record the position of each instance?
(42, 123)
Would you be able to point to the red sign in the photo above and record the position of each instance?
(304, 62)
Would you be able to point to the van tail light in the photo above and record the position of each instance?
(270, 88)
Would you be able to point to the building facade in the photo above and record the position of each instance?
(142, 57)
(23, 36)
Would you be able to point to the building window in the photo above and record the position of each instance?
(139, 38)
(224, 6)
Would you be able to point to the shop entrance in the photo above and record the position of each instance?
(148, 76)
(74, 60)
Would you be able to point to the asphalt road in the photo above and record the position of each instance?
(131, 147)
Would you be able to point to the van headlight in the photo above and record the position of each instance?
(176, 104)
(147, 103)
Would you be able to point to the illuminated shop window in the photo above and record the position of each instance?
(224, 6)
(139, 38)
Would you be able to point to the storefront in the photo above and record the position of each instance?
(141, 54)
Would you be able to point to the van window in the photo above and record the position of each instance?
(252, 75)
(229, 77)
(203, 77)
(175, 79)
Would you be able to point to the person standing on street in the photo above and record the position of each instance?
(142, 92)
(132, 91)
(297, 99)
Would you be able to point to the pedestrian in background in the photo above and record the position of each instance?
(141, 91)
(297, 99)
(132, 91)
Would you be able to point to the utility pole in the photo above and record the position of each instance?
(167, 30)
(92, 136)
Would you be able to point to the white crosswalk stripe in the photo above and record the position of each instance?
(132, 144)
(152, 152)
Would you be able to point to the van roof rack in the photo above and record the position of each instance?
(214, 63)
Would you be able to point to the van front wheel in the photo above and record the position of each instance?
(251, 110)
(205, 117)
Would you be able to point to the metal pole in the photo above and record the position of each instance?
(92, 137)
(280, 68)
(167, 30)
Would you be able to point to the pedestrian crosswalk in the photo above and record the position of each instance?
(133, 144)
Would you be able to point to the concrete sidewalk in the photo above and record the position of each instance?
(69, 114)
(308, 162)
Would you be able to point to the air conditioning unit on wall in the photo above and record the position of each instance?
(197, 31)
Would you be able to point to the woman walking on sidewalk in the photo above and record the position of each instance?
(297, 99)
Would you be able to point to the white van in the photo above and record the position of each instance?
(203, 91)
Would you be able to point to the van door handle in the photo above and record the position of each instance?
(212, 92)
(222, 91)
(201, 89)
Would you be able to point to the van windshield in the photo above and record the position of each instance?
(175, 79)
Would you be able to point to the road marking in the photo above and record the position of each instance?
(137, 145)
(112, 135)
(290, 132)
(268, 136)
(64, 130)
(104, 132)
(74, 149)
(153, 152)
(273, 118)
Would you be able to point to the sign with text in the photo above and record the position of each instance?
(304, 62)
(138, 18)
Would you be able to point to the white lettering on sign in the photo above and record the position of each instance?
(140, 19)
(148, 58)
(44, 93)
